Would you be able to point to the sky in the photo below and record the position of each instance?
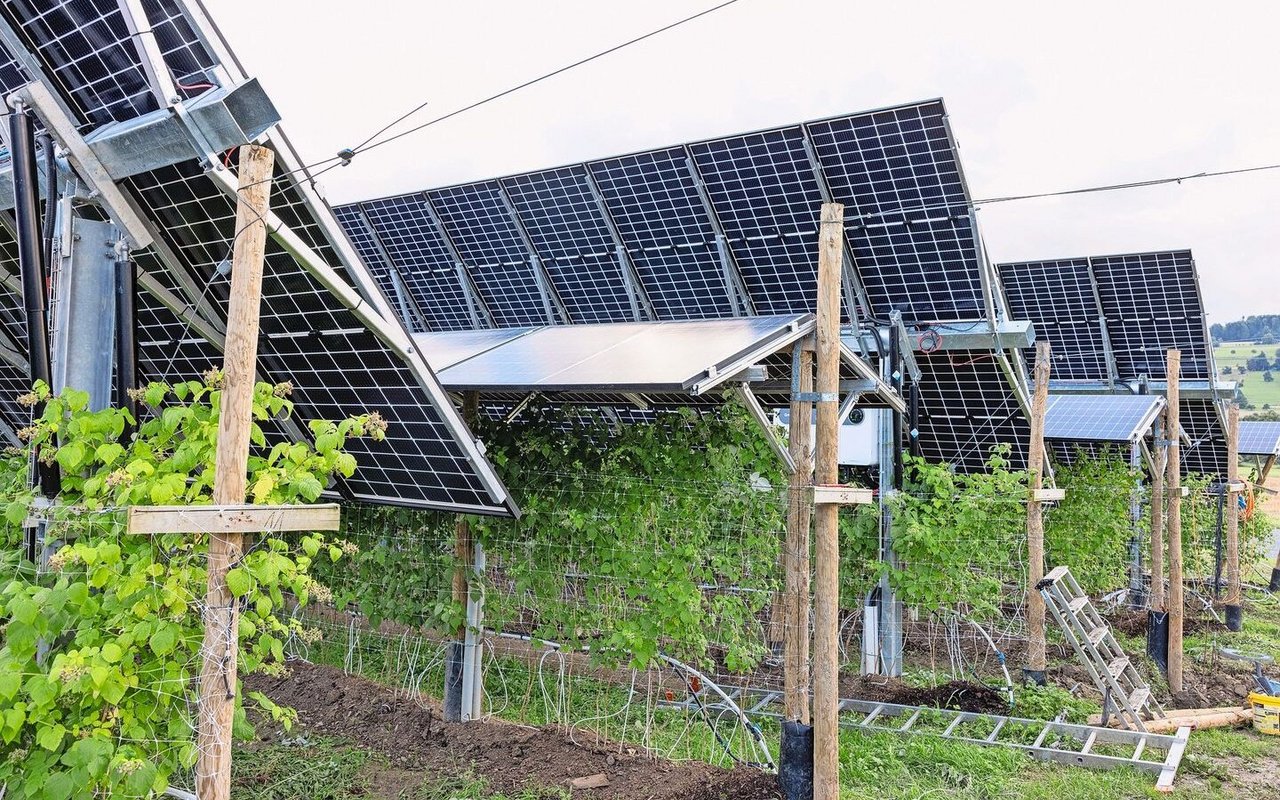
(1041, 98)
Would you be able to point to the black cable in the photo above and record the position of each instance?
(1132, 185)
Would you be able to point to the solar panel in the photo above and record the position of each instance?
(1206, 454)
(1151, 302)
(1058, 297)
(1103, 418)
(1259, 438)
(1143, 305)
(665, 357)
(967, 410)
(340, 361)
(729, 225)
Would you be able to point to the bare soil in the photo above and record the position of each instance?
(955, 695)
(418, 745)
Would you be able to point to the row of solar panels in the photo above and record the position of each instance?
(711, 229)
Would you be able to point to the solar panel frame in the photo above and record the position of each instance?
(966, 409)
(1058, 298)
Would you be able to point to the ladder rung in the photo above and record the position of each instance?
(1137, 751)
(1077, 604)
(1139, 698)
(991, 737)
(1088, 742)
(1096, 635)
(1054, 576)
(1117, 667)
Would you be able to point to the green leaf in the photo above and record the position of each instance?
(239, 582)
(16, 512)
(58, 787)
(70, 455)
(108, 453)
(9, 683)
(111, 653)
(50, 736)
(309, 486)
(154, 395)
(163, 641)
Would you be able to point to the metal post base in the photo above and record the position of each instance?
(1158, 638)
(1235, 618)
(453, 681)
(795, 761)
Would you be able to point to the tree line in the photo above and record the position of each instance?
(1262, 328)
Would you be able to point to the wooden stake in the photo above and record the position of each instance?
(1160, 456)
(1234, 594)
(826, 618)
(1173, 485)
(221, 617)
(1035, 512)
(795, 633)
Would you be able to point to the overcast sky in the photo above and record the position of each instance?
(1040, 99)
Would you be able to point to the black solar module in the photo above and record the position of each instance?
(723, 226)
(343, 356)
(967, 410)
(1139, 305)
(1151, 302)
(1058, 297)
(1204, 446)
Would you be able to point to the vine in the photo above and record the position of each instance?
(100, 649)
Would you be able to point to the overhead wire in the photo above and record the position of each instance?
(344, 156)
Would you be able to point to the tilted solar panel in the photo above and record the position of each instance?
(967, 410)
(1206, 452)
(1059, 299)
(344, 354)
(1151, 302)
(1101, 417)
(729, 225)
(1259, 438)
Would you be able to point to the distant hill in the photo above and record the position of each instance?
(1249, 329)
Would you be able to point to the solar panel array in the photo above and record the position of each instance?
(1259, 438)
(708, 229)
(719, 228)
(1139, 305)
(87, 53)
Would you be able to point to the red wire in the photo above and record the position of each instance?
(194, 86)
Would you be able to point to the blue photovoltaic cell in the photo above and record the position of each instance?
(767, 200)
(481, 227)
(1151, 303)
(571, 236)
(429, 272)
(1107, 418)
(1057, 297)
(660, 218)
(906, 210)
(1259, 438)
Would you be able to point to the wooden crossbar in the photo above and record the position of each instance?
(148, 520)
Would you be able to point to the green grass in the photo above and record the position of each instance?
(1258, 391)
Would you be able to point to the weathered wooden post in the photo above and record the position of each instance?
(1036, 657)
(796, 551)
(826, 650)
(1173, 483)
(1232, 490)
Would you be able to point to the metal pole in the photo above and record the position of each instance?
(890, 619)
(34, 287)
(1217, 544)
(1137, 591)
(126, 331)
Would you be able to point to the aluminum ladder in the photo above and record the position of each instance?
(1060, 742)
(1123, 689)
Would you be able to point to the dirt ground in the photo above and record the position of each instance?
(418, 745)
(956, 695)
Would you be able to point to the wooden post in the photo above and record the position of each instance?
(1234, 593)
(1173, 485)
(795, 632)
(221, 617)
(1160, 456)
(1035, 516)
(826, 617)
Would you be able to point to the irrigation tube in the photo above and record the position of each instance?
(756, 734)
(1004, 667)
